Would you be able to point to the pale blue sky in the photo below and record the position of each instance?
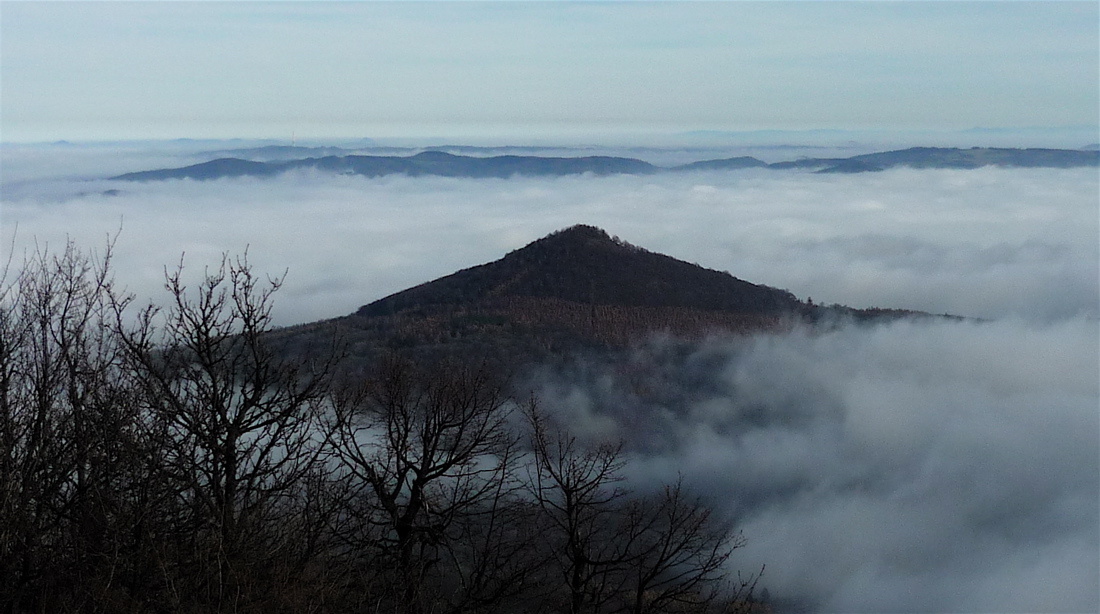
(106, 70)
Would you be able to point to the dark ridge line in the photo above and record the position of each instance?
(444, 164)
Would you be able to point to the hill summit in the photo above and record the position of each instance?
(575, 289)
(584, 265)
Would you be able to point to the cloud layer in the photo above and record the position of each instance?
(916, 467)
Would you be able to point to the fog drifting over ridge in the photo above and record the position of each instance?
(937, 466)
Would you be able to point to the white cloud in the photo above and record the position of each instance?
(916, 467)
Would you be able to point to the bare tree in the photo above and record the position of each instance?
(578, 492)
(428, 464)
(70, 473)
(236, 428)
(677, 554)
(615, 551)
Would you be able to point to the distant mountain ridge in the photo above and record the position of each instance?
(949, 157)
(443, 164)
(434, 163)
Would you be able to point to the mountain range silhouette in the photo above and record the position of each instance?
(444, 164)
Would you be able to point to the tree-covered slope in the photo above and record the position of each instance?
(583, 264)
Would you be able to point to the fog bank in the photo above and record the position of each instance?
(915, 467)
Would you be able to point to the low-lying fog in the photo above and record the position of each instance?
(939, 466)
(916, 467)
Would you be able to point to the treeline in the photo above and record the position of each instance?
(172, 459)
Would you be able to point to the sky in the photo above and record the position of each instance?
(83, 71)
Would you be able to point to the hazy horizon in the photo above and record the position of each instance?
(529, 70)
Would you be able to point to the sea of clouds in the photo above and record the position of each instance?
(937, 466)
(912, 467)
